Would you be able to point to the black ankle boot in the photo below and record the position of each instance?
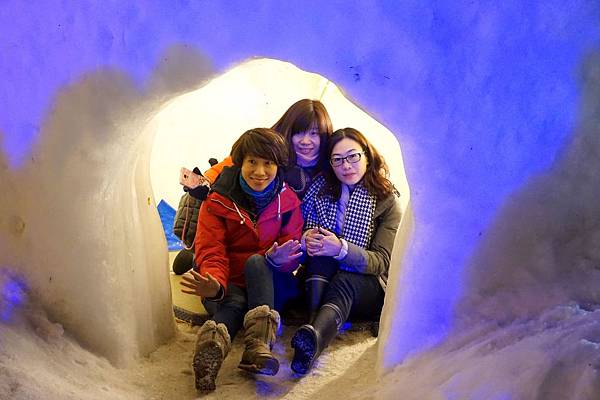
(310, 340)
(183, 262)
(315, 289)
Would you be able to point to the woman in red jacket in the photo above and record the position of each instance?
(248, 229)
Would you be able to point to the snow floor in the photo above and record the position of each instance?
(39, 361)
(553, 356)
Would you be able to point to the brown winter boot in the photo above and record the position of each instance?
(212, 345)
(260, 324)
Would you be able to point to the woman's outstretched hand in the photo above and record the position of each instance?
(204, 286)
(321, 242)
(285, 253)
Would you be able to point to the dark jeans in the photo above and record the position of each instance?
(229, 311)
(263, 287)
(355, 296)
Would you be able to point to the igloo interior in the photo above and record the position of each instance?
(496, 107)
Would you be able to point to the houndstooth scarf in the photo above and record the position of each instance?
(320, 210)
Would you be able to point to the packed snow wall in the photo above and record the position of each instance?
(80, 225)
(481, 96)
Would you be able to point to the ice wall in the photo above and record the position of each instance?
(481, 95)
(81, 226)
(543, 249)
(528, 324)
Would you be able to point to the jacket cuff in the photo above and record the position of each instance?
(343, 251)
(355, 260)
(219, 296)
(271, 262)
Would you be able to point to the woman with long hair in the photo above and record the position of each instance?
(306, 128)
(352, 213)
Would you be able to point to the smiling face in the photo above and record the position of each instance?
(258, 172)
(349, 173)
(306, 145)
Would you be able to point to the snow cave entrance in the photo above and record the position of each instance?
(204, 123)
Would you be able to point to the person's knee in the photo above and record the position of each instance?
(342, 280)
(340, 287)
(255, 261)
(255, 264)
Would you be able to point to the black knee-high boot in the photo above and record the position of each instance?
(315, 289)
(310, 340)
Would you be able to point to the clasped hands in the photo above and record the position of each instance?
(317, 241)
(321, 242)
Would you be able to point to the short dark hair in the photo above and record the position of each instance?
(260, 142)
(301, 117)
(376, 177)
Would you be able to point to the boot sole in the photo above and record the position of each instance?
(263, 366)
(305, 346)
(206, 364)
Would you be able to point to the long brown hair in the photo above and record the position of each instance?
(300, 117)
(376, 177)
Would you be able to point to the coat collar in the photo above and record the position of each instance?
(228, 192)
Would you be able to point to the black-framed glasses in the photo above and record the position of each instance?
(351, 158)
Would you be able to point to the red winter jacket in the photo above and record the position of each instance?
(228, 233)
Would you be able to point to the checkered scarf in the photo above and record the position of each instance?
(320, 210)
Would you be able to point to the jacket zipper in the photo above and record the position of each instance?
(242, 217)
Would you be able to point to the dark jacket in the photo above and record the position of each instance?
(300, 178)
(186, 219)
(375, 260)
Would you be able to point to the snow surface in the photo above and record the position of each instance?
(39, 361)
(554, 356)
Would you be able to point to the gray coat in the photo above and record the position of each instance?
(375, 260)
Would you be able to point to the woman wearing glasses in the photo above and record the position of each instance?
(352, 213)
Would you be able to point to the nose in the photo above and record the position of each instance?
(305, 139)
(346, 164)
(259, 170)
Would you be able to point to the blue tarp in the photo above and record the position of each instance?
(167, 216)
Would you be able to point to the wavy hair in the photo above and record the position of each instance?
(376, 177)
